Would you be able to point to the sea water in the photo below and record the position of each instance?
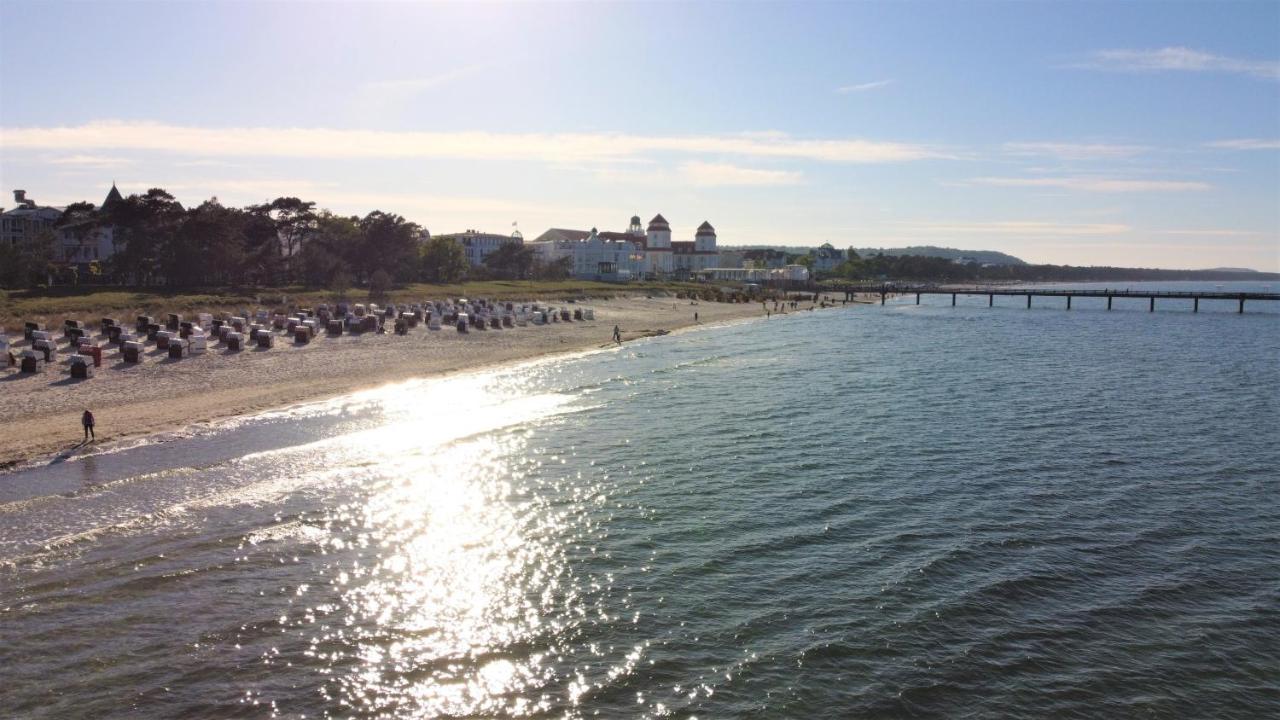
(898, 511)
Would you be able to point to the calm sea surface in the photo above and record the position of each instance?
(866, 513)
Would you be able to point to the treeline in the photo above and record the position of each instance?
(916, 268)
(287, 241)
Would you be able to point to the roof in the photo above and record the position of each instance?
(113, 197)
(659, 222)
(686, 247)
(564, 234)
(705, 228)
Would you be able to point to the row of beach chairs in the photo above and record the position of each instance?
(179, 337)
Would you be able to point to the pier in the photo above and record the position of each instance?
(991, 292)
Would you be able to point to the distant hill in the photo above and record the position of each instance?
(1239, 270)
(982, 257)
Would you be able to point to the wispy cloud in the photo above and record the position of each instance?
(328, 143)
(1075, 151)
(1021, 228)
(92, 161)
(1178, 59)
(1208, 232)
(388, 91)
(1094, 184)
(862, 87)
(705, 174)
(1246, 144)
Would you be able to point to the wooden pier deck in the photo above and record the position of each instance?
(991, 292)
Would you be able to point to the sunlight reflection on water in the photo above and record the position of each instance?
(450, 564)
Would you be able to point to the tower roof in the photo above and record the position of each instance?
(706, 229)
(659, 223)
(113, 197)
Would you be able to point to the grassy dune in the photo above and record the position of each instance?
(91, 303)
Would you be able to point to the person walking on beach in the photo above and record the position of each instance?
(617, 334)
(87, 421)
(695, 316)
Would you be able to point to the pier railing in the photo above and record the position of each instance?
(885, 290)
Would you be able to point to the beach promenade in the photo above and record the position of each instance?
(42, 410)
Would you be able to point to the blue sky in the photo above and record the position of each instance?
(1086, 133)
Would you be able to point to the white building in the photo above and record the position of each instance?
(658, 255)
(89, 241)
(826, 258)
(785, 274)
(692, 257)
(593, 255)
(479, 245)
(20, 226)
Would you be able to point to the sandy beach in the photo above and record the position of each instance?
(41, 411)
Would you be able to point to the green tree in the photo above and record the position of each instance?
(388, 243)
(511, 261)
(324, 254)
(144, 226)
(443, 261)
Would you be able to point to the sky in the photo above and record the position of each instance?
(1136, 134)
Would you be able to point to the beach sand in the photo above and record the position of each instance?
(41, 412)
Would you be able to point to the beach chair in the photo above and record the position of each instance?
(132, 351)
(177, 348)
(266, 340)
(234, 340)
(197, 344)
(80, 367)
(163, 337)
(31, 362)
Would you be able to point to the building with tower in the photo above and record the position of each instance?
(649, 251)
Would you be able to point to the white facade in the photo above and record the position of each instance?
(658, 260)
(789, 273)
(826, 258)
(640, 252)
(479, 245)
(594, 257)
(23, 224)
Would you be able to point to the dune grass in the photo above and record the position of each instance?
(90, 303)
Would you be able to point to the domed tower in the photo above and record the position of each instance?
(635, 228)
(705, 239)
(657, 258)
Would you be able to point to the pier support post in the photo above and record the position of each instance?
(1028, 301)
(1152, 308)
(882, 294)
(1108, 302)
(917, 298)
(1195, 305)
(953, 300)
(1068, 302)
(1241, 310)
(991, 300)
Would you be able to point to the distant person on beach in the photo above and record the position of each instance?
(87, 421)
(617, 334)
(695, 316)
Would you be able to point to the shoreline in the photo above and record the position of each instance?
(43, 409)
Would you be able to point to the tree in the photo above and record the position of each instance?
(389, 243)
(555, 270)
(293, 223)
(325, 254)
(511, 261)
(443, 261)
(144, 227)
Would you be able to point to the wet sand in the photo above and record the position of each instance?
(42, 411)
